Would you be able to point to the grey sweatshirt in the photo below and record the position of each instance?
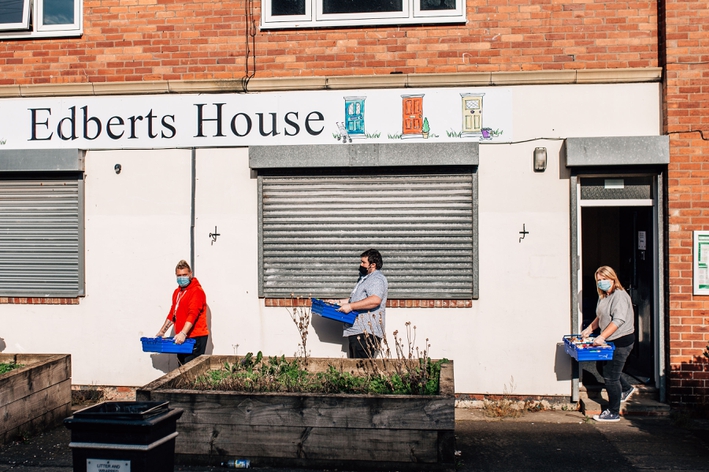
(616, 308)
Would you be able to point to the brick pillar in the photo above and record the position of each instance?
(686, 88)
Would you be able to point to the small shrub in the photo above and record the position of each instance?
(301, 316)
(256, 373)
(502, 408)
(86, 396)
(413, 372)
(507, 407)
(6, 367)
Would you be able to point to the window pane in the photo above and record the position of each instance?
(361, 6)
(438, 4)
(287, 7)
(58, 12)
(11, 11)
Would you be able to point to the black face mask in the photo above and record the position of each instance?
(362, 271)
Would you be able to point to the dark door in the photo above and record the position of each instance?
(623, 238)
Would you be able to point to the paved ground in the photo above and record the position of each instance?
(544, 441)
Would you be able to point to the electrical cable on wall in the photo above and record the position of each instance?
(701, 133)
(524, 141)
(250, 35)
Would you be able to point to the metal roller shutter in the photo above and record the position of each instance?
(314, 228)
(40, 238)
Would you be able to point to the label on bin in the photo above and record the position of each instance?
(105, 465)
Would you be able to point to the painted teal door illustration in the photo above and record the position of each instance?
(354, 116)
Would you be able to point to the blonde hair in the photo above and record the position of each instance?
(183, 265)
(609, 273)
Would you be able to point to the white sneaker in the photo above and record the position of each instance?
(607, 416)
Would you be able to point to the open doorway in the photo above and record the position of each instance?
(624, 238)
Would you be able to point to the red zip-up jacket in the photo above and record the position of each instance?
(190, 304)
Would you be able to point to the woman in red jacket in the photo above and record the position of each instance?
(188, 313)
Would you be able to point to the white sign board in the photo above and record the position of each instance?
(272, 118)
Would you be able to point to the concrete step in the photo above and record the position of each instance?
(594, 399)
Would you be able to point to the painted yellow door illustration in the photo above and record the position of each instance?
(472, 114)
(412, 115)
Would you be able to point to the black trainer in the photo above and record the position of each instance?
(607, 416)
(625, 396)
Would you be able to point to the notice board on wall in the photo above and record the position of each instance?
(700, 256)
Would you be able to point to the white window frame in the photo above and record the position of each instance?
(40, 18)
(37, 29)
(24, 24)
(459, 11)
(315, 18)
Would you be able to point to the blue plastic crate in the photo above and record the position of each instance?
(587, 351)
(329, 310)
(167, 345)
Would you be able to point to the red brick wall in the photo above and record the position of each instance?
(152, 40)
(687, 109)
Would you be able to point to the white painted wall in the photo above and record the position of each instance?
(138, 227)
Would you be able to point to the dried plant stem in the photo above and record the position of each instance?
(300, 314)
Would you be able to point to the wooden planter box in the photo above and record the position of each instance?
(35, 397)
(310, 430)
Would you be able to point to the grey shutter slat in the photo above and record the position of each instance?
(315, 228)
(39, 238)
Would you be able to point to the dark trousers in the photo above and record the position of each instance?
(363, 346)
(615, 383)
(200, 345)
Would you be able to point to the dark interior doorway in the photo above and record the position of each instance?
(623, 238)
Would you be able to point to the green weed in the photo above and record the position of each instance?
(6, 367)
(507, 407)
(412, 372)
(256, 373)
(86, 395)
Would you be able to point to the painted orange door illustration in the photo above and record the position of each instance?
(412, 111)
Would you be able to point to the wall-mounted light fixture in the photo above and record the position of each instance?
(540, 159)
(117, 168)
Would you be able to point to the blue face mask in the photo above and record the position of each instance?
(604, 284)
(183, 281)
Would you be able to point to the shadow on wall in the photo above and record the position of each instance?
(164, 362)
(689, 387)
(562, 363)
(210, 345)
(328, 331)
(3, 346)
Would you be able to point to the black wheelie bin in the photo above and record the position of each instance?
(124, 437)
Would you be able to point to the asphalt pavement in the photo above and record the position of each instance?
(541, 441)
